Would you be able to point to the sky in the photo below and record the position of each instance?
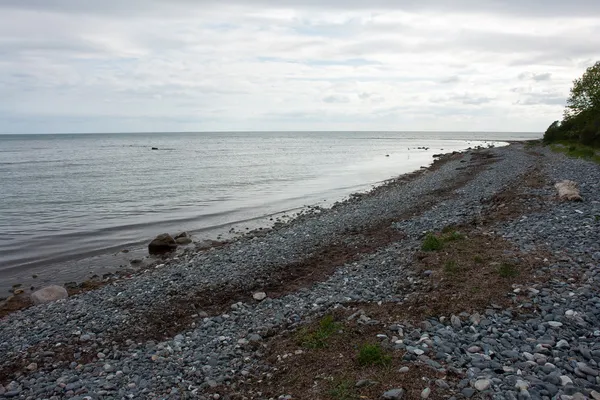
(240, 65)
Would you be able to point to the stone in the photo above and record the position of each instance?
(425, 393)
(468, 392)
(32, 367)
(259, 296)
(442, 384)
(455, 321)
(394, 394)
(364, 382)
(403, 370)
(555, 324)
(183, 240)
(482, 384)
(595, 395)
(586, 369)
(49, 294)
(162, 244)
(562, 344)
(521, 385)
(565, 380)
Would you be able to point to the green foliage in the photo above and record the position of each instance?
(434, 242)
(431, 243)
(451, 267)
(581, 121)
(478, 259)
(508, 271)
(585, 93)
(373, 354)
(317, 338)
(343, 390)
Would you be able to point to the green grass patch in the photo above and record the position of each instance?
(451, 267)
(508, 270)
(431, 243)
(373, 354)
(317, 338)
(478, 259)
(576, 150)
(343, 390)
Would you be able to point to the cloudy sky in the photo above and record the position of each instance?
(199, 65)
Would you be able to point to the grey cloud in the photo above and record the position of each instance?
(542, 99)
(336, 98)
(464, 98)
(451, 79)
(535, 77)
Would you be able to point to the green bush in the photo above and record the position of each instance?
(373, 354)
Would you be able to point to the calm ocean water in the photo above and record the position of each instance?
(66, 197)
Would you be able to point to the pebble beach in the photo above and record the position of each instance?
(506, 307)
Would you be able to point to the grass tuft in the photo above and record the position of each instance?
(508, 271)
(343, 390)
(373, 354)
(317, 338)
(452, 236)
(451, 267)
(478, 259)
(431, 243)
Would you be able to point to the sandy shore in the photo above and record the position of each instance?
(459, 316)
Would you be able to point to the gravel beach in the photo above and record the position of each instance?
(224, 323)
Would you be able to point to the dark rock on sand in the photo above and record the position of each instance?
(162, 244)
(49, 294)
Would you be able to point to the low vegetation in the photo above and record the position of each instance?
(373, 354)
(432, 243)
(316, 338)
(576, 150)
(506, 270)
(343, 390)
(435, 242)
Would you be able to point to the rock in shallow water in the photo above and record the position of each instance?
(162, 244)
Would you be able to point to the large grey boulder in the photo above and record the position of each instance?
(162, 244)
(49, 294)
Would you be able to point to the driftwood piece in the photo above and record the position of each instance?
(567, 190)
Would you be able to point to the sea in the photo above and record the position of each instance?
(71, 203)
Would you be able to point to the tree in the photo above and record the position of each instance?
(585, 93)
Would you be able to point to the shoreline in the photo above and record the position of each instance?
(116, 263)
(507, 271)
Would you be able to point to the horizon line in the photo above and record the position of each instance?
(263, 131)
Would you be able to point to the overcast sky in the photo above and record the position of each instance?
(197, 65)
